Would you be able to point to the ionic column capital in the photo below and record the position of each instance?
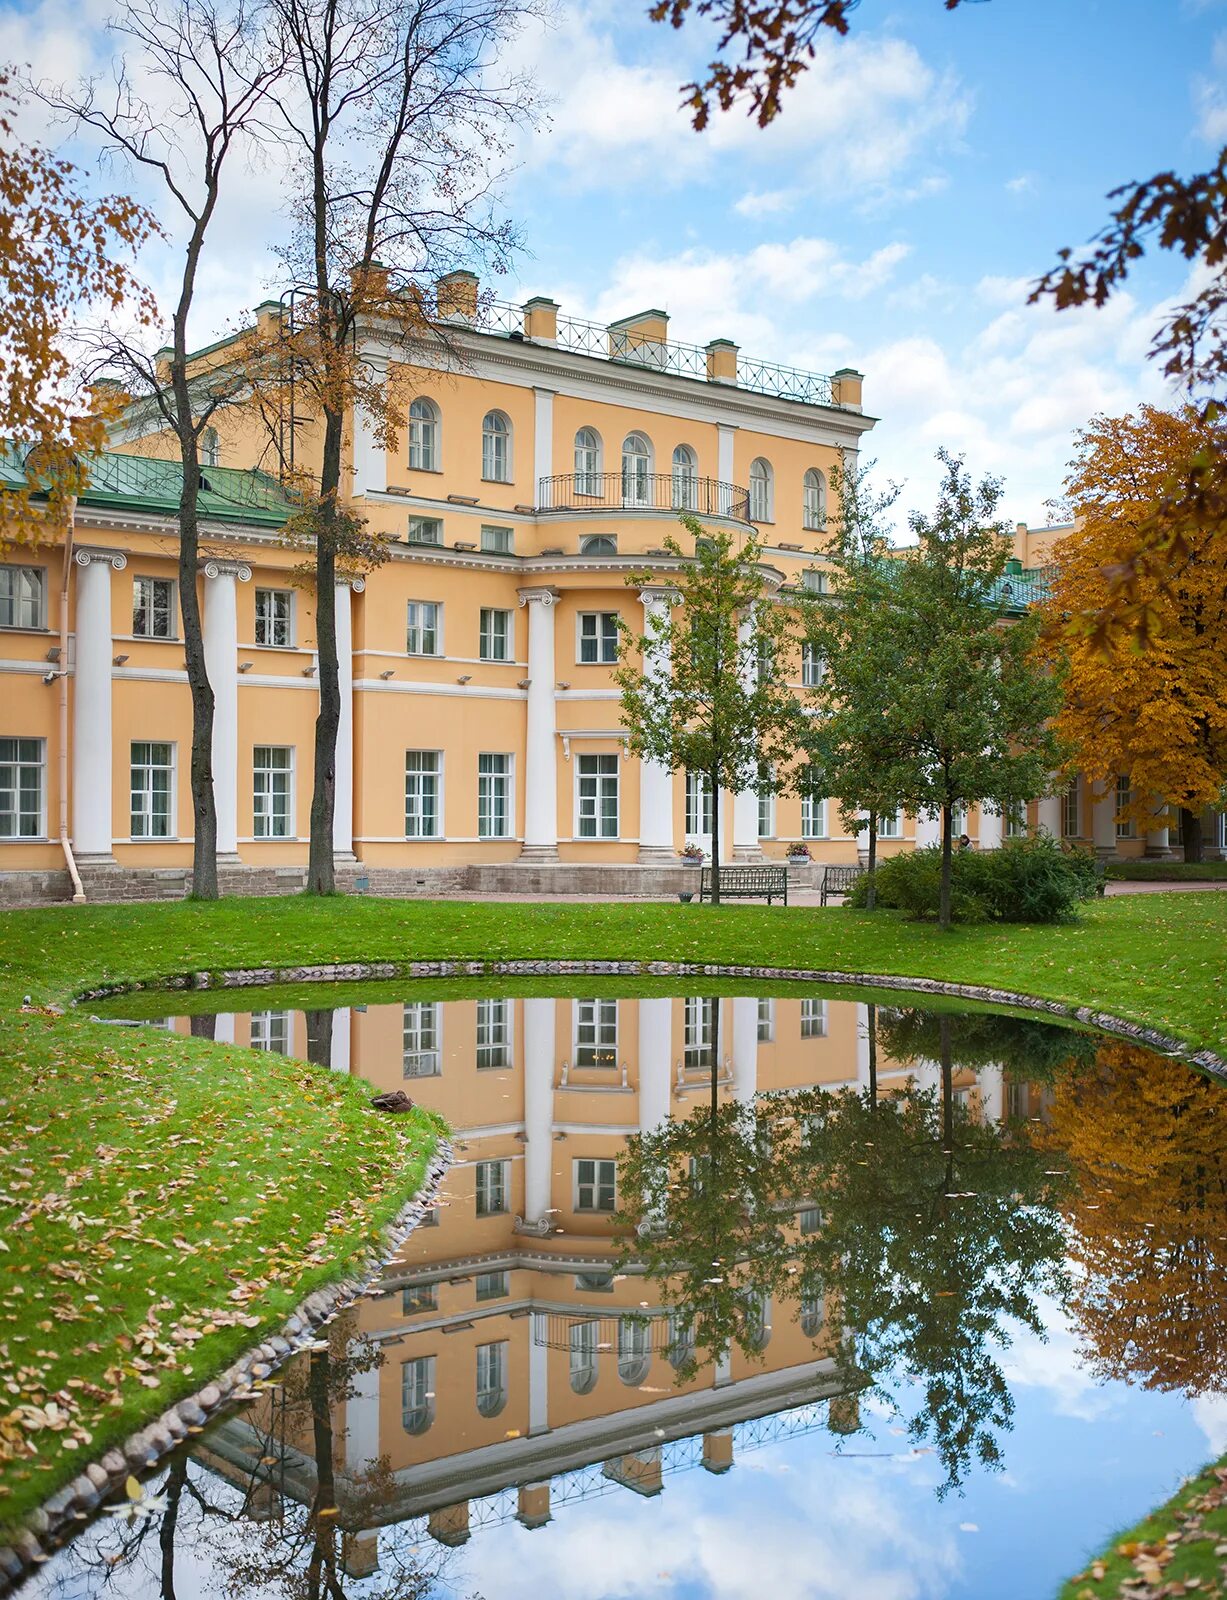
(227, 569)
(544, 597)
(659, 595)
(115, 558)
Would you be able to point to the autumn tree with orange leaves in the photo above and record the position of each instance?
(1158, 714)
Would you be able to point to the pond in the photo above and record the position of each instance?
(724, 1295)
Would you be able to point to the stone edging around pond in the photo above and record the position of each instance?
(353, 971)
(63, 1511)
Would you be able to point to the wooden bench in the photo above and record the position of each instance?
(746, 883)
(839, 880)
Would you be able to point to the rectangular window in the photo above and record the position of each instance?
(272, 774)
(809, 1219)
(890, 825)
(1016, 821)
(1071, 810)
(495, 635)
(596, 1033)
(493, 1285)
(153, 608)
(493, 1033)
(766, 1020)
(766, 803)
(152, 789)
(491, 1188)
(420, 1056)
(270, 1030)
(274, 614)
(598, 636)
(597, 791)
(1125, 826)
(425, 530)
(813, 805)
(811, 578)
(493, 797)
(699, 1019)
(417, 1394)
(595, 1185)
(813, 1019)
(423, 627)
(419, 1297)
(497, 541)
(698, 806)
(23, 597)
(423, 792)
(813, 666)
(22, 788)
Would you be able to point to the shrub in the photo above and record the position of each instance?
(1027, 880)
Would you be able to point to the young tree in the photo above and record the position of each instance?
(702, 695)
(192, 80)
(1158, 714)
(395, 116)
(973, 700)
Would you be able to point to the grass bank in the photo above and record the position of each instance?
(1175, 1550)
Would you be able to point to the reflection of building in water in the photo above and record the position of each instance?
(519, 1368)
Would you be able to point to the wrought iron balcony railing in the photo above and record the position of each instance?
(643, 491)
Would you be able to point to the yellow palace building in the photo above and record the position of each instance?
(545, 461)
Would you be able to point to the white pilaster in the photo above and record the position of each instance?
(538, 1376)
(343, 794)
(928, 829)
(655, 781)
(539, 1049)
(1103, 817)
(991, 823)
(338, 1058)
(223, 1029)
(370, 457)
(221, 643)
(543, 441)
(541, 756)
(745, 1049)
(724, 461)
(746, 845)
(1050, 815)
(990, 1081)
(655, 1049)
(362, 1421)
(862, 1047)
(91, 719)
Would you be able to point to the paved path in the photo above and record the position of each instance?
(796, 897)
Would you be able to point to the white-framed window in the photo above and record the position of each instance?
(698, 1027)
(272, 791)
(636, 470)
(809, 1219)
(421, 1025)
(419, 1297)
(595, 1184)
(270, 1030)
(680, 1348)
(423, 794)
(813, 805)
(756, 1320)
(1220, 830)
(424, 435)
(495, 447)
(634, 1350)
(890, 825)
(698, 805)
(152, 790)
(588, 462)
(685, 479)
(492, 1377)
(492, 1286)
(424, 628)
(494, 635)
(813, 1019)
(1071, 809)
(494, 807)
(598, 637)
(599, 544)
(417, 1393)
(958, 822)
(425, 530)
(815, 581)
(23, 597)
(813, 1312)
(766, 807)
(814, 500)
(583, 1338)
(1126, 828)
(153, 608)
(762, 487)
(1016, 821)
(491, 1180)
(23, 788)
(497, 541)
(596, 796)
(594, 1282)
(766, 1021)
(493, 1034)
(274, 617)
(813, 665)
(596, 1033)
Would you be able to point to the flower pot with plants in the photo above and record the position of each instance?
(693, 855)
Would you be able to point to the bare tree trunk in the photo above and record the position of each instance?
(871, 893)
(168, 1528)
(203, 1025)
(321, 876)
(871, 1026)
(1191, 833)
(319, 1038)
(713, 778)
(943, 915)
(204, 808)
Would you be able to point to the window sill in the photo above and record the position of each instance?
(506, 482)
(19, 627)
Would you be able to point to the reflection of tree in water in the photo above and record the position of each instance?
(1145, 1139)
(254, 1540)
(937, 1231)
(1022, 1046)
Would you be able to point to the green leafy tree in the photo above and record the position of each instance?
(699, 689)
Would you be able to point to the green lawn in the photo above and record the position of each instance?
(1177, 1543)
(165, 1200)
(1168, 871)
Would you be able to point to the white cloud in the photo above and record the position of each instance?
(765, 202)
(1022, 184)
(1210, 96)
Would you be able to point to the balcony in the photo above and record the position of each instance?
(573, 492)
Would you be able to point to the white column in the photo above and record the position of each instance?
(991, 823)
(362, 1421)
(343, 799)
(1050, 815)
(655, 1051)
(370, 457)
(745, 1049)
(223, 1029)
(1158, 840)
(540, 763)
(862, 1047)
(655, 781)
(539, 1049)
(91, 704)
(928, 829)
(338, 1058)
(543, 440)
(538, 1376)
(1103, 817)
(221, 644)
(990, 1081)
(746, 845)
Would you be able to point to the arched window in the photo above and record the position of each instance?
(756, 1311)
(424, 435)
(813, 1312)
(685, 479)
(598, 544)
(587, 461)
(761, 497)
(492, 1377)
(680, 1348)
(417, 1394)
(814, 499)
(634, 1350)
(583, 1356)
(210, 448)
(496, 447)
(636, 470)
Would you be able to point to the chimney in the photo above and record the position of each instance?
(718, 1451)
(846, 388)
(640, 338)
(456, 296)
(161, 364)
(450, 1524)
(371, 284)
(722, 361)
(541, 319)
(533, 1505)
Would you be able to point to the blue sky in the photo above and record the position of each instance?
(924, 171)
